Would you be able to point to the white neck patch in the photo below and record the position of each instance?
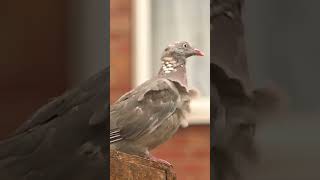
(169, 64)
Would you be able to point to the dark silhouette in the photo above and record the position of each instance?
(65, 139)
(235, 105)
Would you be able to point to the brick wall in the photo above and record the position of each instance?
(120, 50)
(188, 150)
(189, 153)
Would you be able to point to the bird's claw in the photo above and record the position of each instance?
(152, 158)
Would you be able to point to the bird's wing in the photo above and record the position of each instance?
(69, 129)
(94, 87)
(143, 109)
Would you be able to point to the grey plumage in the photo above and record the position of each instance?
(151, 113)
(64, 139)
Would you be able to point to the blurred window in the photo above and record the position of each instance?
(161, 22)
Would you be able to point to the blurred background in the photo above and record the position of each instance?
(283, 48)
(46, 47)
(139, 32)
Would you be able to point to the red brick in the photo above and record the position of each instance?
(189, 153)
(120, 47)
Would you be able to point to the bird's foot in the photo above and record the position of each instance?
(152, 158)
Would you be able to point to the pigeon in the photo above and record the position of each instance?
(151, 113)
(64, 139)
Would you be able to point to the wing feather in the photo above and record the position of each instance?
(144, 108)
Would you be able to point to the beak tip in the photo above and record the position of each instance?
(198, 52)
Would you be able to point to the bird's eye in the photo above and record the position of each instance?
(185, 45)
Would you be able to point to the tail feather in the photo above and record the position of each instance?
(115, 136)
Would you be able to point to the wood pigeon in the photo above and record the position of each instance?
(151, 113)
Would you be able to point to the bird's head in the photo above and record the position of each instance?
(175, 55)
(181, 50)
